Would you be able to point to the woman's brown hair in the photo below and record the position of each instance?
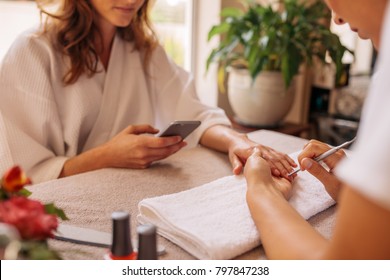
(73, 31)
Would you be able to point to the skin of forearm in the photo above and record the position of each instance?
(284, 233)
(88, 161)
(220, 137)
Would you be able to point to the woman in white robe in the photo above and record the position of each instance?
(88, 90)
(360, 183)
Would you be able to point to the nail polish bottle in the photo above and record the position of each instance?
(121, 247)
(147, 242)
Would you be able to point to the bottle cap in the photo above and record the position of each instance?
(121, 240)
(147, 243)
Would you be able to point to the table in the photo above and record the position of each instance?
(89, 199)
(286, 128)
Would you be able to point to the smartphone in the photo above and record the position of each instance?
(180, 128)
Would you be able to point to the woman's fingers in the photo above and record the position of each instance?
(256, 166)
(144, 157)
(140, 129)
(129, 150)
(161, 142)
(281, 164)
(236, 163)
(315, 148)
(290, 161)
(165, 151)
(331, 183)
(258, 174)
(334, 159)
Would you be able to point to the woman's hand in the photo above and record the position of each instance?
(240, 150)
(259, 178)
(132, 148)
(239, 147)
(313, 149)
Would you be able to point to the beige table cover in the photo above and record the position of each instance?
(89, 199)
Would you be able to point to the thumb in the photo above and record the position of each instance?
(316, 170)
(237, 164)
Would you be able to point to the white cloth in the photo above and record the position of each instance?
(367, 169)
(213, 221)
(43, 123)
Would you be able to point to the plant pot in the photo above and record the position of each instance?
(261, 103)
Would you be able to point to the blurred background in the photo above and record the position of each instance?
(321, 109)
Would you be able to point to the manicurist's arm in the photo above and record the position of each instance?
(361, 231)
(284, 233)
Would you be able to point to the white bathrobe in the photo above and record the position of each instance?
(43, 122)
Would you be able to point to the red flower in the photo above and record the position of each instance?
(15, 179)
(29, 217)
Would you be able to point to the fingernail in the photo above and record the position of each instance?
(306, 163)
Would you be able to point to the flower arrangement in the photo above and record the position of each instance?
(34, 222)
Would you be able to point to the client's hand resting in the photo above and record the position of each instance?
(240, 150)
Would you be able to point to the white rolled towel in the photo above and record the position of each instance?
(213, 221)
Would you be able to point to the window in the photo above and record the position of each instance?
(362, 62)
(173, 23)
(15, 17)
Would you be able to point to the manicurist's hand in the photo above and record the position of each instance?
(306, 160)
(259, 179)
(134, 148)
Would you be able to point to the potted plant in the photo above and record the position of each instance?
(263, 48)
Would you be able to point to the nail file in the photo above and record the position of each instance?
(91, 237)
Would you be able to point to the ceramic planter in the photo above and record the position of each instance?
(260, 103)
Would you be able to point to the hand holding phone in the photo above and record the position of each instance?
(180, 128)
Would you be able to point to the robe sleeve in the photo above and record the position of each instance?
(177, 98)
(31, 130)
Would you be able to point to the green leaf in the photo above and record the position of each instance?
(290, 65)
(286, 70)
(24, 192)
(52, 209)
(260, 65)
(232, 12)
(218, 29)
(37, 250)
(210, 59)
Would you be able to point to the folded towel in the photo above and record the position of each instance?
(213, 221)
